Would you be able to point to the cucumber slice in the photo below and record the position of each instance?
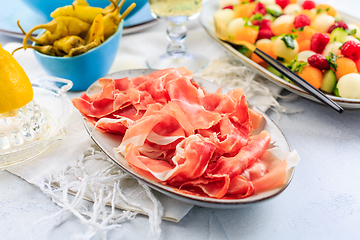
(245, 51)
(288, 80)
(274, 71)
(329, 81)
(336, 91)
(339, 35)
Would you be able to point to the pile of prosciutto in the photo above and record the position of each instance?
(176, 133)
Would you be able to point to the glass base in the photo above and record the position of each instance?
(191, 62)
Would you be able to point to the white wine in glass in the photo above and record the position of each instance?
(176, 13)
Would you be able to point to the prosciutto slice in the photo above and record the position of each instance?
(121, 84)
(232, 166)
(190, 160)
(114, 125)
(98, 106)
(188, 98)
(176, 133)
(225, 170)
(156, 129)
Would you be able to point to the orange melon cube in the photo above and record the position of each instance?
(345, 66)
(308, 13)
(305, 34)
(266, 47)
(327, 8)
(312, 75)
(283, 28)
(244, 10)
(304, 45)
(247, 34)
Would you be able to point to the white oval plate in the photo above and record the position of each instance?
(107, 142)
(207, 21)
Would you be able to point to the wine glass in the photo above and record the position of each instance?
(176, 13)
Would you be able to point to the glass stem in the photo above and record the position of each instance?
(176, 33)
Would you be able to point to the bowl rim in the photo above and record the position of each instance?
(118, 31)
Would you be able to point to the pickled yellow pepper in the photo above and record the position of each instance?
(96, 30)
(76, 28)
(84, 13)
(47, 49)
(113, 18)
(93, 39)
(69, 42)
(58, 28)
(82, 49)
(112, 6)
(80, 3)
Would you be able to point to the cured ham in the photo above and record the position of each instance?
(189, 161)
(176, 133)
(183, 93)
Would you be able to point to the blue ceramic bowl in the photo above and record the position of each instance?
(45, 7)
(85, 68)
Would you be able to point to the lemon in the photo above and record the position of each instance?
(15, 87)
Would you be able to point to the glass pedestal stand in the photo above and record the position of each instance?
(177, 54)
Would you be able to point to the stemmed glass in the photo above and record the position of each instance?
(176, 13)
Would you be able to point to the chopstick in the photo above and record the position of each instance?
(293, 77)
(298, 80)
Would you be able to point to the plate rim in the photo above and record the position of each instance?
(347, 103)
(167, 190)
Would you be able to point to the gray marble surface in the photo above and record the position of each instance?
(322, 202)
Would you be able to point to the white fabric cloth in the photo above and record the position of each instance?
(71, 152)
(75, 165)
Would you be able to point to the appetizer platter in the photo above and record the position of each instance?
(323, 68)
(129, 129)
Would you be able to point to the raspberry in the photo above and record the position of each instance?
(282, 3)
(319, 42)
(229, 7)
(318, 61)
(301, 21)
(265, 34)
(339, 24)
(260, 8)
(351, 49)
(263, 24)
(256, 22)
(308, 4)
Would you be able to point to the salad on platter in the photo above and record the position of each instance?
(310, 39)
